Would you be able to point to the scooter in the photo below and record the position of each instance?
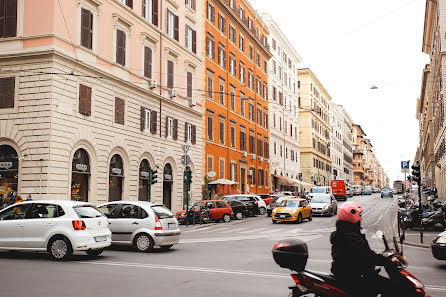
(293, 254)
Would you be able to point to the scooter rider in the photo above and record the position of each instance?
(354, 261)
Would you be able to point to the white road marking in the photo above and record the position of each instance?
(371, 208)
(435, 288)
(249, 237)
(390, 206)
(234, 230)
(187, 268)
(257, 230)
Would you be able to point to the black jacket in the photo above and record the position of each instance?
(352, 256)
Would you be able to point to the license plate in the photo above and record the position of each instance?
(100, 238)
(171, 225)
(281, 216)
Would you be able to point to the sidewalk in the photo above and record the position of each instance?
(413, 238)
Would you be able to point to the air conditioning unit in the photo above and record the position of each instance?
(152, 83)
(172, 93)
(260, 159)
(244, 154)
(253, 156)
(192, 101)
(250, 172)
(267, 161)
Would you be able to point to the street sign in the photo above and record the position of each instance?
(185, 159)
(185, 148)
(211, 174)
(405, 166)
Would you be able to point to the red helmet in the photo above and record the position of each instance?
(350, 212)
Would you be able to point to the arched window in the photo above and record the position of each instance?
(9, 172)
(144, 185)
(80, 176)
(116, 178)
(167, 185)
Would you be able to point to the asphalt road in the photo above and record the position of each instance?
(224, 259)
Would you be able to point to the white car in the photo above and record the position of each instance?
(141, 224)
(320, 190)
(56, 226)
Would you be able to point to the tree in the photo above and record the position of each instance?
(206, 190)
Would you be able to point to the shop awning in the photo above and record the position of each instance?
(291, 182)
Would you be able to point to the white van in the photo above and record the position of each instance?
(320, 190)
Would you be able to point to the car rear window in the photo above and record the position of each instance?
(87, 211)
(162, 212)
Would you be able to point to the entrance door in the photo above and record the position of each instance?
(167, 186)
(242, 180)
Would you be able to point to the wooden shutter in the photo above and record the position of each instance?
(8, 18)
(86, 28)
(167, 126)
(7, 90)
(194, 5)
(119, 110)
(210, 127)
(120, 47)
(194, 134)
(129, 3)
(189, 85)
(170, 74)
(194, 41)
(84, 100)
(144, 8)
(213, 14)
(147, 62)
(155, 12)
(176, 34)
(142, 118)
(185, 129)
(153, 119)
(175, 129)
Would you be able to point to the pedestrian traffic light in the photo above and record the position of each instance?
(416, 174)
(188, 176)
(153, 176)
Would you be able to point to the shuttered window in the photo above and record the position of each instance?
(8, 18)
(120, 47)
(86, 28)
(172, 25)
(119, 110)
(191, 39)
(84, 100)
(191, 4)
(150, 11)
(147, 62)
(210, 126)
(222, 131)
(170, 70)
(7, 90)
(242, 140)
(189, 84)
(194, 134)
(222, 168)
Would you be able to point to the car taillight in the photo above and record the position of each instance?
(158, 223)
(295, 278)
(79, 225)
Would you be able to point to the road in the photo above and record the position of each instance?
(224, 259)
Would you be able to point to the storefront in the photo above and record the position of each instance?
(167, 185)
(144, 185)
(9, 173)
(80, 176)
(116, 178)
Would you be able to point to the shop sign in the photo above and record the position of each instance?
(116, 171)
(5, 165)
(144, 174)
(211, 174)
(167, 177)
(81, 167)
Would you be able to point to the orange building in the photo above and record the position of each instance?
(236, 104)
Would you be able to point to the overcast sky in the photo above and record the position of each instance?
(351, 45)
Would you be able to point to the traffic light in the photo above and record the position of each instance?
(416, 174)
(409, 178)
(153, 176)
(188, 176)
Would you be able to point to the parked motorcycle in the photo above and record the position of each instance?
(432, 217)
(293, 254)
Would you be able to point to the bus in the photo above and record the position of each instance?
(398, 185)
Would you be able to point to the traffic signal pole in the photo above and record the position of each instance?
(416, 173)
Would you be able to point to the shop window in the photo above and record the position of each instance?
(80, 176)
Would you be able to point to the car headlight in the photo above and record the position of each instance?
(274, 210)
(327, 206)
(441, 239)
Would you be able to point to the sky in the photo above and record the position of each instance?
(351, 45)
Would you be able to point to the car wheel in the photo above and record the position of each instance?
(143, 243)
(310, 217)
(60, 248)
(94, 253)
(238, 215)
(299, 218)
(262, 211)
(166, 247)
(226, 218)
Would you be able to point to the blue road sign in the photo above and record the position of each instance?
(405, 166)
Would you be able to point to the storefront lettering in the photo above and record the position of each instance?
(144, 174)
(116, 171)
(5, 165)
(81, 167)
(167, 177)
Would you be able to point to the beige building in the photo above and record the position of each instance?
(97, 96)
(314, 134)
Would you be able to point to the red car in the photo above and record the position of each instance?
(219, 209)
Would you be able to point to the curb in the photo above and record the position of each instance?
(420, 245)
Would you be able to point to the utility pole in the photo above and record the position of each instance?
(188, 175)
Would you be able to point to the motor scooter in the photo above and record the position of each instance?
(293, 254)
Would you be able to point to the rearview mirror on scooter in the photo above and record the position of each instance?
(379, 234)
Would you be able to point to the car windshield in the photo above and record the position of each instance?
(290, 203)
(87, 211)
(317, 190)
(386, 190)
(320, 199)
(162, 212)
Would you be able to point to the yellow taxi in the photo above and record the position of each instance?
(292, 210)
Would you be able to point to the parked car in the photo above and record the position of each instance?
(238, 208)
(438, 246)
(349, 191)
(376, 190)
(292, 209)
(367, 190)
(386, 192)
(279, 194)
(357, 190)
(274, 201)
(58, 227)
(219, 209)
(141, 224)
(253, 198)
(339, 189)
(251, 205)
(320, 190)
(324, 204)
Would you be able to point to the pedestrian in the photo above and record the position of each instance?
(18, 199)
(29, 198)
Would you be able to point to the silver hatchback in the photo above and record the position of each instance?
(141, 224)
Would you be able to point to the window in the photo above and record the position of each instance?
(189, 84)
(120, 47)
(170, 74)
(221, 57)
(251, 80)
(233, 65)
(259, 60)
(45, 211)
(261, 178)
(222, 171)
(211, 13)
(252, 145)
(265, 118)
(251, 52)
(191, 4)
(253, 176)
(275, 148)
(210, 126)
(15, 213)
(147, 62)
(221, 23)
(232, 98)
(222, 130)
(259, 86)
(210, 163)
(7, 92)
(147, 119)
(242, 103)
(150, 11)
(84, 100)
(172, 25)
(273, 41)
(129, 3)
(241, 13)
(274, 120)
(8, 18)
(274, 67)
(210, 88)
(86, 28)
(251, 110)
(260, 146)
(232, 135)
(265, 91)
(266, 149)
(234, 172)
(210, 48)
(119, 110)
(259, 115)
(172, 128)
(191, 39)
(242, 73)
(128, 211)
(241, 43)
(242, 139)
(222, 92)
(232, 34)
